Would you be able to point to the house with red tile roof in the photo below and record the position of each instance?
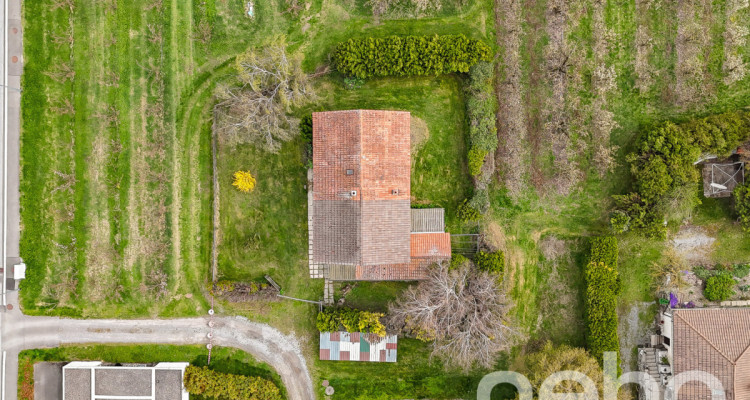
(361, 225)
(713, 340)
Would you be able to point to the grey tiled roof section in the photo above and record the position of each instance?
(386, 232)
(77, 384)
(337, 231)
(122, 382)
(427, 220)
(169, 385)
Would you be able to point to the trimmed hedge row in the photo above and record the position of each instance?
(603, 285)
(604, 249)
(408, 55)
(205, 382)
(481, 109)
(332, 319)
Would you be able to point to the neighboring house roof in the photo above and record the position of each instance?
(361, 187)
(714, 340)
(356, 346)
(90, 380)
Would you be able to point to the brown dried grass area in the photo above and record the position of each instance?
(512, 154)
(644, 45)
(692, 45)
(735, 40)
(559, 57)
(419, 135)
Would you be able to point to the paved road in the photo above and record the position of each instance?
(266, 344)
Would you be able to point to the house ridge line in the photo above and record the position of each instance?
(734, 364)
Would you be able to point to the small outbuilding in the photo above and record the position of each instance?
(720, 178)
(357, 346)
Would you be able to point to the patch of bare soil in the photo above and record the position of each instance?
(735, 39)
(553, 248)
(632, 332)
(694, 244)
(511, 156)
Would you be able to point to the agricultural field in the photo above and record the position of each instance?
(117, 192)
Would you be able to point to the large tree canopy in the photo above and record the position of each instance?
(257, 111)
(461, 310)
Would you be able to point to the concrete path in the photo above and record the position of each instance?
(266, 344)
(10, 105)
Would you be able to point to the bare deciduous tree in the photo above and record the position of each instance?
(257, 112)
(65, 39)
(64, 107)
(462, 310)
(154, 34)
(203, 32)
(62, 73)
(69, 4)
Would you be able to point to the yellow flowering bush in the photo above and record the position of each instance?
(244, 181)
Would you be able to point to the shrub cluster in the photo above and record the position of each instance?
(467, 213)
(493, 262)
(663, 164)
(332, 319)
(408, 55)
(481, 108)
(457, 260)
(306, 128)
(719, 287)
(742, 205)
(603, 285)
(208, 383)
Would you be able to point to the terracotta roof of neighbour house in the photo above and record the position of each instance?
(714, 340)
(361, 187)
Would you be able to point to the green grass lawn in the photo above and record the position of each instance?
(415, 375)
(223, 359)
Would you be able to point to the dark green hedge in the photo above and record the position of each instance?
(408, 55)
(742, 205)
(217, 385)
(663, 161)
(604, 250)
(602, 288)
(601, 309)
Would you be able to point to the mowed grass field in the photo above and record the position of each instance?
(116, 154)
